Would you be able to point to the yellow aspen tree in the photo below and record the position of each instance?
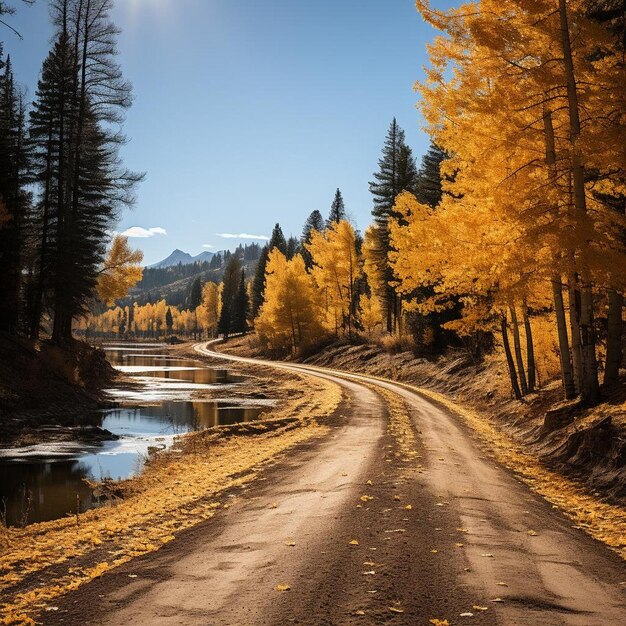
(509, 62)
(290, 317)
(371, 314)
(121, 271)
(209, 309)
(335, 270)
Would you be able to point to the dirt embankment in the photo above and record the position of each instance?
(42, 385)
(588, 444)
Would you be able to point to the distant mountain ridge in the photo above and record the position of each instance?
(178, 256)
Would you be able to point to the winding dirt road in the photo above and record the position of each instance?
(362, 535)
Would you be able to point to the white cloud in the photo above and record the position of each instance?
(143, 233)
(207, 245)
(242, 236)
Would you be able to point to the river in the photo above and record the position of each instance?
(47, 481)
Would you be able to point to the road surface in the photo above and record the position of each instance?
(362, 535)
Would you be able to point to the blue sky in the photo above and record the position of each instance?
(249, 113)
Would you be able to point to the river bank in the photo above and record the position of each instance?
(46, 391)
(155, 395)
(178, 488)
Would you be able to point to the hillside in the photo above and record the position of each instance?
(172, 277)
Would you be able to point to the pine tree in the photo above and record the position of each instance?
(169, 321)
(428, 188)
(397, 173)
(240, 307)
(314, 223)
(337, 210)
(258, 282)
(277, 240)
(293, 246)
(195, 295)
(231, 281)
(80, 100)
(14, 199)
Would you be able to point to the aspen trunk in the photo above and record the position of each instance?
(614, 338)
(567, 374)
(517, 345)
(509, 358)
(530, 349)
(590, 388)
(574, 316)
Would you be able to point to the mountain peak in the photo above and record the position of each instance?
(180, 256)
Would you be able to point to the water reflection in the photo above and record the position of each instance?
(170, 417)
(35, 492)
(45, 482)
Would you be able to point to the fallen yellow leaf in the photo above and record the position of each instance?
(282, 588)
(353, 542)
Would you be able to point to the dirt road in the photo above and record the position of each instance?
(361, 534)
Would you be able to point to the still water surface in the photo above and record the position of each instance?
(47, 481)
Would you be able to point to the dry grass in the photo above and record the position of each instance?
(177, 490)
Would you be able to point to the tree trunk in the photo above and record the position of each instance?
(61, 314)
(35, 321)
(574, 325)
(567, 374)
(614, 338)
(590, 389)
(530, 349)
(518, 351)
(509, 359)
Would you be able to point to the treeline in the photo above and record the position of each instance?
(159, 321)
(61, 179)
(207, 308)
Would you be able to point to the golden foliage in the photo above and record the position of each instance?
(336, 267)
(122, 270)
(290, 317)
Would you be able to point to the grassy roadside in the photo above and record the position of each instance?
(178, 489)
